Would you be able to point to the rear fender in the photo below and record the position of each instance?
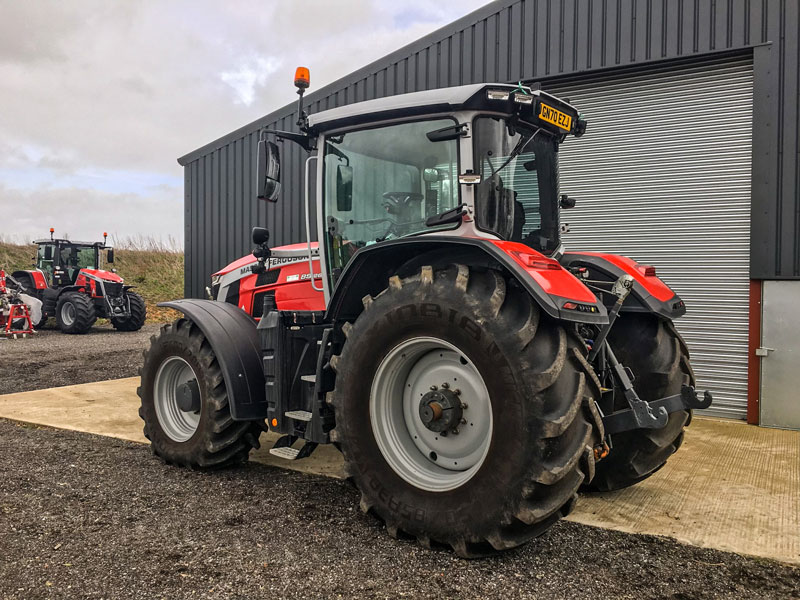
(649, 293)
(234, 338)
(34, 280)
(550, 285)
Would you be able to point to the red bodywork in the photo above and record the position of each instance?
(82, 279)
(642, 274)
(39, 279)
(554, 279)
(292, 287)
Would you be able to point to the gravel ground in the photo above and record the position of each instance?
(51, 358)
(83, 516)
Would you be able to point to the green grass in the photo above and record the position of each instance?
(156, 271)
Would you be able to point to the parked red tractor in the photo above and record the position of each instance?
(473, 374)
(74, 289)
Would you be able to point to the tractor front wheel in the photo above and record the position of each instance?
(138, 313)
(75, 313)
(464, 416)
(659, 359)
(185, 407)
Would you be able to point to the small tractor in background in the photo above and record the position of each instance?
(73, 288)
(473, 373)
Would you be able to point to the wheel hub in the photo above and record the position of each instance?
(440, 410)
(188, 396)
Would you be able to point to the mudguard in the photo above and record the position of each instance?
(559, 293)
(33, 280)
(233, 336)
(649, 293)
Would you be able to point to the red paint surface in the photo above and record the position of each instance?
(753, 361)
(38, 279)
(654, 286)
(554, 279)
(289, 295)
(246, 260)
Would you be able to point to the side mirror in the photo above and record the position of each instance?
(344, 188)
(566, 202)
(260, 235)
(48, 253)
(110, 256)
(268, 171)
(431, 175)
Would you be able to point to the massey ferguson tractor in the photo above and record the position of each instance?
(473, 374)
(73, 288)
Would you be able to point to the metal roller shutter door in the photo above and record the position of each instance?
(663, 176)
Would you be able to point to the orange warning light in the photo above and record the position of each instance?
(302, 78)
(52, 230)
(274, 422)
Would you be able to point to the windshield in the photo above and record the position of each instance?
(517, 198)
(383, 183)
(79, 257)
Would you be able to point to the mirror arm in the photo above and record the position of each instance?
(303, 140)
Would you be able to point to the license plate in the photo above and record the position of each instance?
(555, 116)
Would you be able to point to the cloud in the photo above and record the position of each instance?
(90, 86)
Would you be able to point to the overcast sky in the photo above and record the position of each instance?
(98, 99)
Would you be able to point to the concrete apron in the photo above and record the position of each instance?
(731, 486)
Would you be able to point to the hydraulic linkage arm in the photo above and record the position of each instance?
(641, 414)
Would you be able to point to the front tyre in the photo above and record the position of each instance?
(138, 313)
(659, 359)
(75, 313)
(185, 403)
(464, 417)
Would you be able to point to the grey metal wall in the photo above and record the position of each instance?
(511, 40)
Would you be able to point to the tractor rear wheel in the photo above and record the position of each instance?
(464, 416)
(75, 313)
(135, 320)
(185, 406)
(659, 359)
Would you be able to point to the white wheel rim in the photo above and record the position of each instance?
(426, 459)
(68, 313)
(179, 425)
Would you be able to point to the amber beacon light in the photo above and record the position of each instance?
(302, 78)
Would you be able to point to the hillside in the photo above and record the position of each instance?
(157, 273)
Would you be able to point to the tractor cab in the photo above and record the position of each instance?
(478, 161)
(62, 260)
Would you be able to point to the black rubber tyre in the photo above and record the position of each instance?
(542, 394)
(135, 320)
(659, 359)
(218, 441)
(83, 317)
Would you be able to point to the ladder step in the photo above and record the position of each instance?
(299, 415)
(286, 452)
(308, 378)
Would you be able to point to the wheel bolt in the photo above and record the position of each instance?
(454, 431)
(463, 421)
(457, 392)
(434, 388)
(464, 406)
(445, 385)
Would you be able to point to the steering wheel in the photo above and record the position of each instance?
(398, 203)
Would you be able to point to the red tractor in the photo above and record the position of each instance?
(473, 374)
(73, 288)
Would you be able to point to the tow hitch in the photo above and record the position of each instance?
(641, 414)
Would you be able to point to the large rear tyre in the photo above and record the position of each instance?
(659, 359)
(185, 403)
(75, 313)
(135, 320)
(464, 416)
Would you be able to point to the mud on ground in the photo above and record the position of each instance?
(83, 516)
(50, 358)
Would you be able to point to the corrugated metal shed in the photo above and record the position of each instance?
(543, 40)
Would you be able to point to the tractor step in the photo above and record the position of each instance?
(309, 378)
(286, 452)
(299, 415)
(289, 453)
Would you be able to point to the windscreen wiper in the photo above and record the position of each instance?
(521, 145)
(452, 215)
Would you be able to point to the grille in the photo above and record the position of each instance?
(112, 289)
